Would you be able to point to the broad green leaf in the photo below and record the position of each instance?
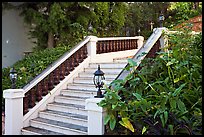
(132, 63)
(162, 119)
(106, 119)
(181, 105)
(143, 130)
(178, 90)
(112, 122)
(173, 103)
(171, 129)
(138, 96)
(165, 116)
(156, 113)
(126, 123)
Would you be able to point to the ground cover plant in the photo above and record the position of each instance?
(164, 97)
(29, 67)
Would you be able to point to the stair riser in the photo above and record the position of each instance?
(91, 75)
(120, 61)
(91, 88)
(25, 132)
(70, 101)
(64, 119)
(117, 66)
(67, 109)
(78, 94)
(108, 71)
(88, 82)
(54, 128)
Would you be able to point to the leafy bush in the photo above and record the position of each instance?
(164, 97)
(32, 65)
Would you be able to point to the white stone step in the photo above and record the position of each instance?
(121, 61)
(108, 65)
(71, 99)
(61, 127)
(37, 131)
(79, 93)
(105, 70)
(89, 80)
(68, 108)
(64, 117)
(91, 75)
(74, 86)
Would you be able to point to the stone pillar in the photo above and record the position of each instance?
(91, 46)
(95, 117)
(140, 41)
(13, 111)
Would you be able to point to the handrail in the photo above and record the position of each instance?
(118, 38)
(145, 48)
(54, 65)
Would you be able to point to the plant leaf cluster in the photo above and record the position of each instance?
(164, 97)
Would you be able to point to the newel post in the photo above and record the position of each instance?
(164, 39)
(91, 46)
(95, 117)
(13, 111)
(140, 41)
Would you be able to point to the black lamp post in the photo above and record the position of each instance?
(98, 81)
(161, 19)
(13, 77)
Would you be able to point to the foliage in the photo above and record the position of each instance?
(32, 65)
(179, 12)
(164, 97)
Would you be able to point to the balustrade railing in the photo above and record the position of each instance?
(114, 45)
(49, 78)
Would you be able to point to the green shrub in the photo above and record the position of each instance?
(162, 98)
(29, 67)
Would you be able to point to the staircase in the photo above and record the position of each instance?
(67, 114)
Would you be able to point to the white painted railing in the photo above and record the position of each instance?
(14, 98)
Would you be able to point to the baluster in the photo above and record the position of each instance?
(45, 87)
(123, 41)
(76, 60)
(81, 55)
(71, 63)
(114, 46)
(32, 98)
(56, 76)
(66, 65)
(100, 48)
(85, 51)
(61, 67)
(97, 47)
(131, 45)
(104, 45)
(25, 103)
(50, 81)
(136, 43)
(110, 46)
(39, 92)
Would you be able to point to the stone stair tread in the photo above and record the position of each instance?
(41, 131)
(68, 105)
(75, 97)
(89, 78)
(67, 114)
(61, 124)
(109, 63)
(78, 90)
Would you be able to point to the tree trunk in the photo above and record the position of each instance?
(50, 41)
